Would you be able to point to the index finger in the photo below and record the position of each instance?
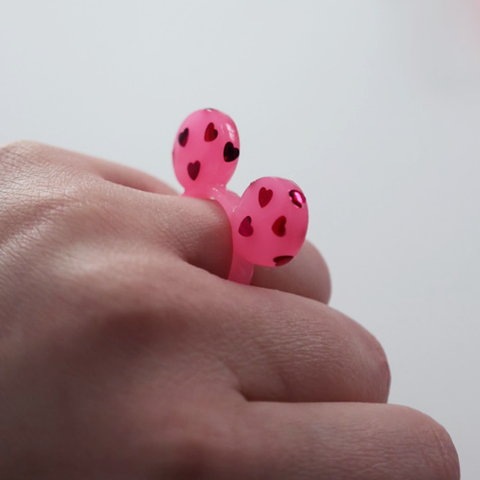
(199, 230)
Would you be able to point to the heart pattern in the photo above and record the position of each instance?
(230, 153)
(282, 260)
(264, 196)
(246, 229)
(210, 133)
(278, 226)
(193, 170)
(298, 198)
(183, 137)
(207, 143)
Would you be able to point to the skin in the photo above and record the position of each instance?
(126, 355)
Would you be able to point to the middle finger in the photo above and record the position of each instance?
(283, 347)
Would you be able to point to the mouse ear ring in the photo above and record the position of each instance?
(205, 152)
(269, 222)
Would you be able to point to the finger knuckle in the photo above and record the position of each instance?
(20, 156)
(20, 149)
(190, 458)
(376, 369)
(381, 372)
(362, 354)
(123, 293)
(199, 446)
(435, 446)
(450, 467)
(35, 183)
(13, 160)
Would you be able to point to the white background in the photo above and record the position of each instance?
(373, 107)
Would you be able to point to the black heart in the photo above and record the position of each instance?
(183, 137)
(230, 153)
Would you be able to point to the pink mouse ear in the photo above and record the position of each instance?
(270, 223)
(205, 152)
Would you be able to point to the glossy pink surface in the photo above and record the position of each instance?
(206, 151)
(269, 222)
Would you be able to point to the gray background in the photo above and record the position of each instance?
(373, 107)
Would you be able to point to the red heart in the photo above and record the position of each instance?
(183, 137)
(264, 196)
(279, 226)
(282, 260)
(193, 170)
(246, 229)
(210, 133)
(298, 198)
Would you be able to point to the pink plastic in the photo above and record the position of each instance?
(205, 153)
(269, 222)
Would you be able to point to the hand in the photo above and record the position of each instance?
(126, 355)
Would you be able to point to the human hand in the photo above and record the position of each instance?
(125, 355)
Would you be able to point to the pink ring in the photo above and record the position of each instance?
(269, 221)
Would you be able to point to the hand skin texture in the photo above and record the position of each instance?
(125, 354)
